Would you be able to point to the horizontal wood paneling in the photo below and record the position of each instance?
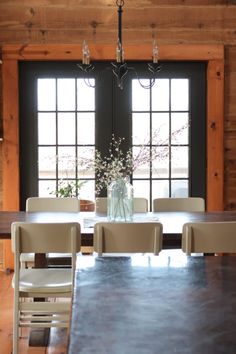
(106, 52)
(72, 21)
(109, 3)
(77, 18)
(173, 22)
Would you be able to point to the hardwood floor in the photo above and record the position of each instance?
(58, 337)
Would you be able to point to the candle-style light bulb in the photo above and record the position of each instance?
(85, 54)
(155, 52)
(119, 52)
(122, 54)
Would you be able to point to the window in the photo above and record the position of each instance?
(61, 118)
(160, 116)
(66, 130)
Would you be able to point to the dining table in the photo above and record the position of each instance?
(144, 304)
(172, 222)
(172, 230)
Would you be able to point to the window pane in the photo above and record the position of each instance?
(88, 190)
(141, 162)
(179, 162)
(141, 189)
(179, 128)
(160, 189)
(46, 94)
(160, 95)
(47, 162)
(140, 96)
(86, 128)
(46, 188)
(66, 128)
(141, 128)
(46, 128)
(66, 94)
(85, 95)
(179, 94)
(66, 162)
(179, 188)
(86, 162)
(160, 128)
(160, 162)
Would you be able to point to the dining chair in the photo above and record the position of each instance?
(140, 205)
(37, 204)
(52, 204)
(101, 204)
(209, 237)
(190, 204)
(125, 237)
(44, 283)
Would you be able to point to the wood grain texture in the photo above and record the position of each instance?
(10, 148)
(215, 133)
(172, 22)
(213, 54)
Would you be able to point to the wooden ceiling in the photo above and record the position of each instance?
(71, 21)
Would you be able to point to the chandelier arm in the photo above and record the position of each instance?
(152, 80)
(120, 68)
(88, 83)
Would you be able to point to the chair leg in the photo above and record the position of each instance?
(15, 327)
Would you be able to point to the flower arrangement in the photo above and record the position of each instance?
(116, 165)
(119, 164)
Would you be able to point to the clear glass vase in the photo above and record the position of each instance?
(120, 200)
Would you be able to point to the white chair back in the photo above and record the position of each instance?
(190, 204)
(209, 237)
(101, 205)
(43, 283)
(127, 237)
(140, 205)
(53, 204)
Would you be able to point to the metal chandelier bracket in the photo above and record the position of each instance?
(120, 68)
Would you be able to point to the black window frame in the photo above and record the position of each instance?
(113, 113)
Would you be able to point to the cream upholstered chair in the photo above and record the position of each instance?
(45, 282)
(127, 237)
(35, 204)
(52, 204)
(101, 205)
(179, 204)
(140, 205)
(209, 237)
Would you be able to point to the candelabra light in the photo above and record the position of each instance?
(120, 68)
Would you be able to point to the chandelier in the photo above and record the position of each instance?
(120, 68)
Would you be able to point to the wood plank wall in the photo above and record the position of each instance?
(171, 22)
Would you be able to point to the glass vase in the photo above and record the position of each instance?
(120, 200)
